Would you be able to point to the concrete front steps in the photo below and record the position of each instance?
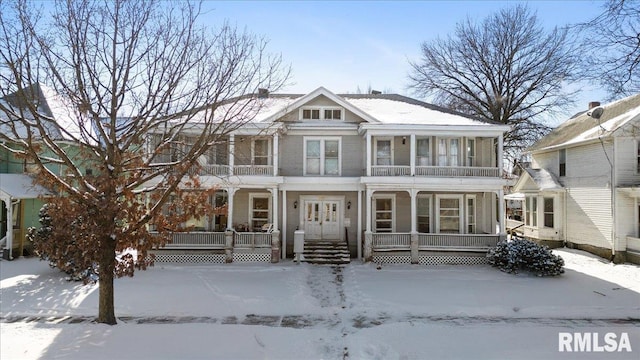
(326, 252)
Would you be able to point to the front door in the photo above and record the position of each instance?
(322, 219)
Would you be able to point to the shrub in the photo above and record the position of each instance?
(520, 254)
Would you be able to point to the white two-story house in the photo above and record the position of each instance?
(582, 188)
(393, 178)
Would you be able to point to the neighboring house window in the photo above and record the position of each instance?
(531, 203)
(424, 214)
(384, 152)
(548, 212)
(261, 151)
(471, 152)
(322, 156)
(423, 152)
(448, 152)
(449, 214)
(471, 214)
(259, 211)
(384, 220)
(563, 162)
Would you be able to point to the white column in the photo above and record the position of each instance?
(501, 211)
(230, 195)
(9, 244)
(414, 210)
(274, 203)
(232, 146)
(283, 233)
(500, 154)
(276, 145)
(368, 210)
(359, 234)
(368, 154)
(413, 150)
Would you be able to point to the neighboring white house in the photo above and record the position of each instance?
(396, 179)
(582, 187)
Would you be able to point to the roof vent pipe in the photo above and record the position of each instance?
(263, 93)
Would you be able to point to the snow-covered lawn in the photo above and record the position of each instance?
(290, 311)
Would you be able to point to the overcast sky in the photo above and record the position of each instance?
(344, 46)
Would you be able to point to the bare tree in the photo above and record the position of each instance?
(131, 81)
(611, 48)
(505, 69)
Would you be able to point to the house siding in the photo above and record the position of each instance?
(589, 216)
(626, 223)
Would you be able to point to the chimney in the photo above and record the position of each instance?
(376, 92)
(594, 104)
(263, 93)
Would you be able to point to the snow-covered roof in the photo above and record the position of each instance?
(20, 186)
(544, 179)
(583, 127)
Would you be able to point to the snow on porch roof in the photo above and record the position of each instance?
(20, 186)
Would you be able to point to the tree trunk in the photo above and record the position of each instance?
(106, 308)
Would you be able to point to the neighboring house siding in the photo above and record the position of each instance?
(547, 160)
(626, 223)
(627, 162)
(587, 165)
(589, 216)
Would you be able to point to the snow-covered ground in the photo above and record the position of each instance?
(290, 311)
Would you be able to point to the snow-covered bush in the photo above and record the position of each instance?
(520, 254)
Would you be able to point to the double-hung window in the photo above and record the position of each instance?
(423, 152)
(384, 152)
(322, 156)
(471, 214)
(548, 212)
(321, 113)
(471, 152)
(448, 152)
(449, 212)
(531, 204)
(563, 162)
(384, 212)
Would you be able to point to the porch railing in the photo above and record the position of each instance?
(454, 171)
(253, 170)
(252, 240)
(215, 170)
(391, 241)
(197, 240)
(461, 241)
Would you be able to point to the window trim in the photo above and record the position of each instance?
(322, 140)
(638, 157)
(430, 151)
(545, 213)
(448, 151)
(531, 216)
(374, 219)
(470, 160)
(461, 216)
(260, 195)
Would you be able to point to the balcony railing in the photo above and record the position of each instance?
(241, 170)
(214, 170)
(387, 170)
(454, 171)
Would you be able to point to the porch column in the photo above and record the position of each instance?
(9, 243)
(368, 210)
(415, 256)
(412, 148)
(283, 235)
(359, 234)
(368, 235)
(232, 146)
(274, 203)
(500, 154)
(276, 145)
(368, 155)
(230, 192)
(501, 211)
